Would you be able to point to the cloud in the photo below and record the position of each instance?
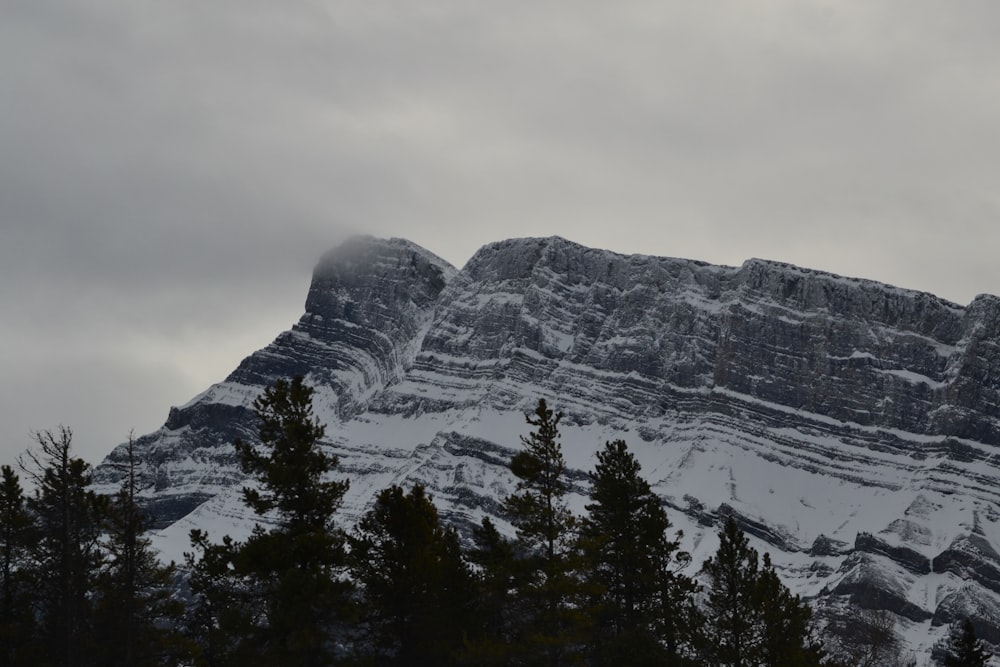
(170, 171)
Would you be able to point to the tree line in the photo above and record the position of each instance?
(81, 584)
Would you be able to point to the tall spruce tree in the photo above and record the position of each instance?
(554, 625)
(786, 633)
(752, 619)
(733, 631)
(16, 536)
(964, 649)
(296, 568)
(500, 611)
(66, 555)
(418, 589)
(678, 622)
(642, 602)
(219, 615)
(290, 467)
(280, 597)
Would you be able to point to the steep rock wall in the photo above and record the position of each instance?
(851, 427)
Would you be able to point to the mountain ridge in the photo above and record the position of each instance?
(848, 424)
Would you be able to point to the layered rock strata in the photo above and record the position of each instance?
(851, 427)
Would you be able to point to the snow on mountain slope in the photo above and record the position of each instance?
(851, 427)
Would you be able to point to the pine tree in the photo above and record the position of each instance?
(220, 615)
(642, 601)
(16, 536)
(733, 633)
(538, 509)
(292, 465)
(295, 569)
(964, 649)
(66, 555)
(136, 611)
(752, 619)
(678, 622)
(417, 587)
(786, 633)
(281, 596)
(499, 610)
(546, 536)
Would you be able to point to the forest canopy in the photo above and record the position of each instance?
(81, 585)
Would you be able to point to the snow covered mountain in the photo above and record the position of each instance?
(850, 427)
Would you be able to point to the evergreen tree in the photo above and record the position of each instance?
(136, 610)
(66, 554)
(964, 649)
(554, 625)
(292, 464)
(220, 615)
(642, 602)
(733, 633)
(678, 622)
(499, 610)
(787, 639)
(418, 589)
(752, 619)
(281, 596)
(294, 570)
(16, 536)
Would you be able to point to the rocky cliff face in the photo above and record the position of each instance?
(851, 427)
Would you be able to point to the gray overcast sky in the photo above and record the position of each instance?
(170, 170)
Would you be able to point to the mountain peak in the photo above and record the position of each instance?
(810, 407)
(364, 256)
(365, 263)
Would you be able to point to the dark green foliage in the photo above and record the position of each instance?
(499, 612)
(79, 584)
(538, 511)
(964, 649)
(752, 619)
(641, 602)
(785, 624)
(219, 615)
(136, 610)
(16, 537)
(286, 585)
(418, 589)
(553, 627)
(296, 593)
(295, 570)
(731, 610)
(66, 555)
(678, 622)
(292, 464)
